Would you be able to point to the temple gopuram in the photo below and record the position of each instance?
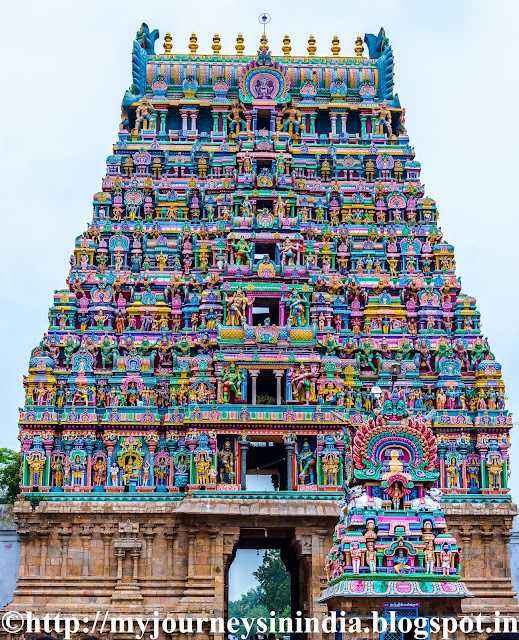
(263, 291)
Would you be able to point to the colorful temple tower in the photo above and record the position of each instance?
(389, 549)
(263, 287)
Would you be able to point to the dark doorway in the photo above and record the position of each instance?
(270, 459)
(265, 204)
(263, 119)
(265, 249)
(265, 308)
(263, 164)
(266, 388)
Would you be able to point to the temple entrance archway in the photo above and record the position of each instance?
(283, 539)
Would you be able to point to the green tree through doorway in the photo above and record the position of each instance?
(272, 594)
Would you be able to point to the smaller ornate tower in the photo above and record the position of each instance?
(392, 542)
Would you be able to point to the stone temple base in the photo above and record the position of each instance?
(173, 554)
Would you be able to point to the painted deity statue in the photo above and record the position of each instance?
(231, 382)
(307, 464)
(236, 117)
(226, 461)
(242, 251)
(295, 305)
(383, 119)
(291, 119)
(237, 304)
(303, 387)
(143, 113)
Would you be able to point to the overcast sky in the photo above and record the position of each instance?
(66, 65)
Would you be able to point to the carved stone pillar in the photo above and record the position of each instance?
(120, 553)
(289, 446)
(64, 535)
(149, 535)
(24, 535)
(170, 534)
(333, 123)
(191, 560)
(135, 555)
(107, 534)
(279, 375)
(254, 378)
(86, 534)
(464, 538)
(212, 557)
(43, 535)
(506, 534)
(244, 445)
(487, 535)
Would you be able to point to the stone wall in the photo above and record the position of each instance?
(173, 556)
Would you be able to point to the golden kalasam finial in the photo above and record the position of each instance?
(264, 43)
(311, 45)
(240, 47)
(286, 45)
(335, 46)
(359, 47)
(193, 44)
(216, 46)
(168, 43)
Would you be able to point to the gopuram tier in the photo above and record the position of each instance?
(263, 278)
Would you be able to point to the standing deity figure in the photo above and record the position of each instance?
(114, 474)
(232, 378)
(307, 463)
(303, 388)
(453, 474)
(473, 474)
(161, 472)
(202, 466)
(99, 472)
(445, 559)
(429, 557)
(236, 117)
(494, 469)
(356, 554)
(242, 250)
(77, 468)
(295, 304)
(237, 304)
(291, 119)
(226, 462)
(330, 466)
(371, 556)
(36, 467)
(287, 251)
(57, 467)
(383, 119)
(143, 113)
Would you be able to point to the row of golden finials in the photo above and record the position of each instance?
(240, 47)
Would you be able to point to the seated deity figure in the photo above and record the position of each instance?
(383, 120)
(291, 119)
(143, 113)
(236, 117)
